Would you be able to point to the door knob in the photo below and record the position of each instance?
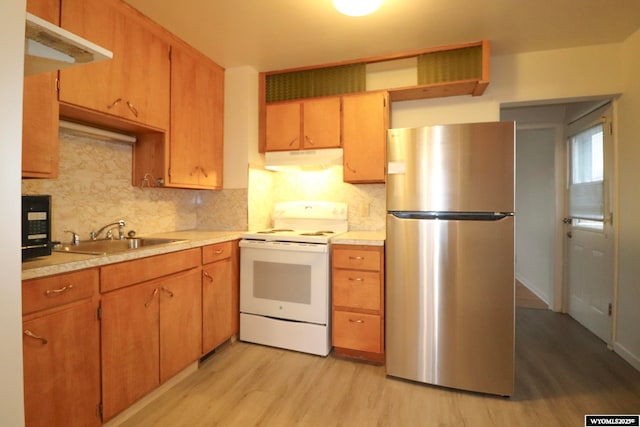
(569, 235)
(566, 220)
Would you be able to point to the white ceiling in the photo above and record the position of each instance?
(277, 34)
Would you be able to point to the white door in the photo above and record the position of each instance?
(590, 237)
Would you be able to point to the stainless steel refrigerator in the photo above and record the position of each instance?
(450, 256)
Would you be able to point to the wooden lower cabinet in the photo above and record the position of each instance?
(358, 301)
(220, 294)
(150, 330)
(130, 346)
(88, 357)
(61, 350)
(180, 322)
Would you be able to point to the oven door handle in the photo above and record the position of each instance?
(284, 246)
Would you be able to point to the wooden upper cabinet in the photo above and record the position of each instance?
(283, 122)
(321, 123)
(197, 118)
(134, 85)
(306, 124)
(40, 110)
(365, 124)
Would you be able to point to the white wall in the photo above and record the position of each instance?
(626, 334)
(536, 210)
(12, 36)
(240, 123)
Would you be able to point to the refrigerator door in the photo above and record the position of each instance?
(456, 168)
(450, 302)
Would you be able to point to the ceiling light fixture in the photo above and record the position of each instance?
(357, 7)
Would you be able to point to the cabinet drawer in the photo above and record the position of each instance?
(358, 259)
(357, 331)
(127, 273)
(216, 252)
(52, 291)
(356, 289)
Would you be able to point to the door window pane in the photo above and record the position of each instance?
(586, 189)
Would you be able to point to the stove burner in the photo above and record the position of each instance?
(275, 230)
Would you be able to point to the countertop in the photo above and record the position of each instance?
(60, 262)
(369, 238)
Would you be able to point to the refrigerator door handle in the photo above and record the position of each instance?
(452, 216)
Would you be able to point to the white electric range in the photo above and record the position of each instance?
(285, 277)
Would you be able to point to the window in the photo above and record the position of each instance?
(586, 186)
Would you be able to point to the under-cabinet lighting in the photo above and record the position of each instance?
(97, 133)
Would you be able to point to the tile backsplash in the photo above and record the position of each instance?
(94, 188)
(367, 207)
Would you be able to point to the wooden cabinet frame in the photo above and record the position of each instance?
(474, 87)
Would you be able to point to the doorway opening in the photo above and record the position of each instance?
(543, 257)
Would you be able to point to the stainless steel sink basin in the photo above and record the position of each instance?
(105, 247)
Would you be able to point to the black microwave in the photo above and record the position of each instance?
(36, 226)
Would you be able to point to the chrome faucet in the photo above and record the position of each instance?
(120, 224)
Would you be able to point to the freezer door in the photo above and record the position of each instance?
(457, 168)
(450, 303)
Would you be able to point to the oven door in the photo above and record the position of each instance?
(285, 280)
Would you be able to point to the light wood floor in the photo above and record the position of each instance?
(526, 298)
(562, 373)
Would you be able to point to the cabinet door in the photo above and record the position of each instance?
(134, 85)
(197, 97)
(321, 123)
(62, 375)
(365, 122)
(283, 123)
(180, 322)
(130, 346)
(96, 86)
(145, 90)
(217, 303)
(40, 110)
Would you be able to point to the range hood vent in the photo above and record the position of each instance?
(303, 159)
(49, 48)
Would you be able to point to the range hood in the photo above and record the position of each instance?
(303, 159)
(49, 47)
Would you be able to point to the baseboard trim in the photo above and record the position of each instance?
(627, 355)
(147, 399)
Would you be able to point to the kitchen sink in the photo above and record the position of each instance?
(105, 247)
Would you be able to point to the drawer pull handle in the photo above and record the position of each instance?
(357, 258)
(219, 251)
(356, 279)
(208, 276)
(356, 320)
(54, 292)
(132, 108)
(167, 291)
(148, 303)
(114, 103)
(37, 337)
